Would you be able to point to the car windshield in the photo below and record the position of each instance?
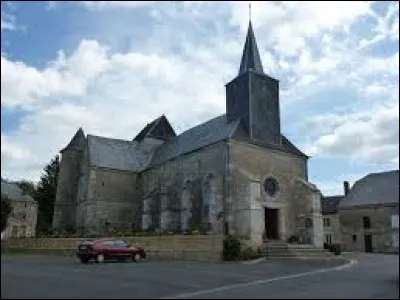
(120, 243)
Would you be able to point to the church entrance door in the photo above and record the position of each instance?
(271, 223)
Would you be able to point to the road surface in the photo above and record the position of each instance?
(362, 277)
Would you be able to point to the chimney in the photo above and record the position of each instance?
(346, 187)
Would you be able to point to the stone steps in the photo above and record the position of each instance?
(279, 249)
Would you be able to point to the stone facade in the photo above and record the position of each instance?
(211, 177)
(332, 231)
(23, 217)
(249, 166)
(382, 234)
(186, 193)
(182, 247)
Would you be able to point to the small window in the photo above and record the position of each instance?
(271, 186)
(354, 238)
(108, 243)
(122, 244)
(25, 205)
(327, 222)
(328, 239)
(102, 183)
(309, 223)
(366, 222)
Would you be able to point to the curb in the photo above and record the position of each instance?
(254, 261)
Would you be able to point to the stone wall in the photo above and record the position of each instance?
(22, 220)
(185, 193)
(334, 229)
(67, 187)
(113, 199)
(353, 232)
(196, 247)
(249, 166)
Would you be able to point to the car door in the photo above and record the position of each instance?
(123, 249)
(108, 248)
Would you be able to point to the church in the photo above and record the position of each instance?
(234, 174)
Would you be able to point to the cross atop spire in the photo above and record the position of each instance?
(250, 57)
(250, 11)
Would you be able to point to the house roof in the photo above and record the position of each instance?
(250, 57)
(329, 204)
(14, 192)
(160, 128)
(374, 189)
(212, 131)
(115, 154)
(205, 134)
(128, 155)
(77, 142)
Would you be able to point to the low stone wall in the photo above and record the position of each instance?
(179, 247)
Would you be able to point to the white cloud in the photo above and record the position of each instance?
(369, 136)
(8, 21)
(64, 77)
(387, 26)
(115, 4)
(287, 25)
(108, 94)
(180, 70)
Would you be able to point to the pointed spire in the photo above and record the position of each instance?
(250, 57)
(77, 142)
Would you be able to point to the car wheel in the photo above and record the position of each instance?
(137, 257)
(100, 258)
(84, 260)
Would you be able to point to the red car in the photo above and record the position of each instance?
(108, 249)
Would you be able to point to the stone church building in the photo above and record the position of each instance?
(235, 173)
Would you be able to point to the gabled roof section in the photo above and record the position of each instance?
(241, 134)
(160, 128)
(77, 142)
(330, 204)
(115, 154)
(14, 192)
(374, 189)
(250, 57)
(197, 137)
(290, 147)
(210, 132)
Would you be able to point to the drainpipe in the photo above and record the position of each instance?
(226, 190)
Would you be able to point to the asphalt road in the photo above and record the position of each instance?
(373, 276)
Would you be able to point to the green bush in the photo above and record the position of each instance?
(249, 253)
(335, 248)
(232, 247)
(6, 210)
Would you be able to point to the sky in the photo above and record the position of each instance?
(114, 66)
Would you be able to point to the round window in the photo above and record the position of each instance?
(271, 186)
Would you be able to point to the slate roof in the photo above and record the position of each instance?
(116, 154)
(330, 204)
(374, 189)
(160, 128)
(207, 133)
(77, 142)
(250, 57)
(12, 191)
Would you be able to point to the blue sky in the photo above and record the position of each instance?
(112, 67)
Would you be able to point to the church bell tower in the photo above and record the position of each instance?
(253, 96)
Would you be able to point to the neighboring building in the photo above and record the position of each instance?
(23, 217)
(235, 173)
(369, 214)
(330, 214)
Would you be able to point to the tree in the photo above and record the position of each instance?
(45, 195)
(27, 187)
(5, 211)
